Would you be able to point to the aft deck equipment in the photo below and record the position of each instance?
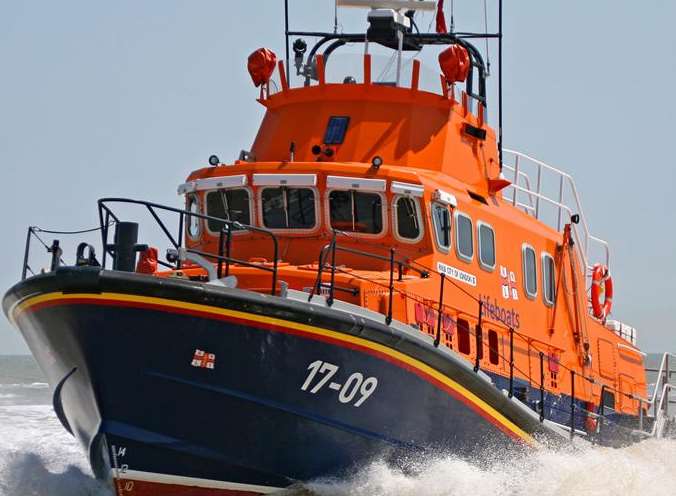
(374, 278)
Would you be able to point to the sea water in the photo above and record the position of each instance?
(38, 458)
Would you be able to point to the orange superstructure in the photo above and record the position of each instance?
(436, 154)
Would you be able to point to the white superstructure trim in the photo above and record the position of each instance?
(416, 190)
(212, 183)
(191, 481)
(446, 198)
(358, 183)
(285, 179)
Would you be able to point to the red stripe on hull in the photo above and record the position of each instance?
(126, 487)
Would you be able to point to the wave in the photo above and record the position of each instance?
(31, 385)
(37, 458)
(647, 468)
(28, 474)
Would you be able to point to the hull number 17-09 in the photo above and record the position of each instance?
(355, 387)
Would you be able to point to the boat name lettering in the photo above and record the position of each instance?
(493, 310)
(457, 274)
(355, 383)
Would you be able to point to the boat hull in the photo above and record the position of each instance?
(179, 388)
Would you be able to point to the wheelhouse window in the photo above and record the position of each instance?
(441, 218)
(486, 246)
(356, 211)
(229, 204)
(548, 279)
(288, 208)
(408, 222)
(464, 233)
(530, 279)
(192, 223)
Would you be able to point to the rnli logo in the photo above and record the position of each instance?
(508, 282)
(203, 360)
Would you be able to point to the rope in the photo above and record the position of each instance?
(81, 231)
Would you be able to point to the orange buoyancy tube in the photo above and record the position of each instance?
(602, 283)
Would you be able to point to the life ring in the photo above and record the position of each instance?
(602, 284)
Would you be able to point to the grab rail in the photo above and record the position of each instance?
(585, 238)
(106, 213)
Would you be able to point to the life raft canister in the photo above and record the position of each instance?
(602, 284)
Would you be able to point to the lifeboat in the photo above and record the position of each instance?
(375, 278)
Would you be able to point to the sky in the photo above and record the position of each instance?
(125, 98)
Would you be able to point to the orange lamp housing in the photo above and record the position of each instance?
(454, 63)
(261, 65)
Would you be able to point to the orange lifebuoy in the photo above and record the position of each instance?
(602, 283)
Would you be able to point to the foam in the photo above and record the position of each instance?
(38, 458)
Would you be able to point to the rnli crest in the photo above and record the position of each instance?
(202, 359)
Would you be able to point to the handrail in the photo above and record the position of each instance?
(583, 239)
(663, 373)
(177, 242)
(333, 246)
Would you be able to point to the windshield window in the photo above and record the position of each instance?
(193, 223)
(442, 225)
(288, 208)
(356, 211)
(408, 226)
(229, 204)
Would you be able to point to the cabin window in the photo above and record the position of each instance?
(408, 220)
(530, 279)
(463, 337)
(193, 223)
(548, 279)
(464, 242)
(356, 211)
(493, 351)
(288, 208)
(441, 218)
(228, 204)
(486, 246)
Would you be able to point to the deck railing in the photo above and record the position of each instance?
(523, 195)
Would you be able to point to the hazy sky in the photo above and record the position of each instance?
(125, 98)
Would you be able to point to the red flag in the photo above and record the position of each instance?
(441, 20)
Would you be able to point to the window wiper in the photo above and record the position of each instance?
(226, 205)
(285, 206)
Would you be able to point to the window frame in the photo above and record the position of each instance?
(289, 230)
(457, 214)
(483, 265)
(524, 247)
(545, 284)
(384, 213)
(395, 219)
(194, 196)
(252, 212)
(435, 226)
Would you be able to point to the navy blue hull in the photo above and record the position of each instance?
(133, 395)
